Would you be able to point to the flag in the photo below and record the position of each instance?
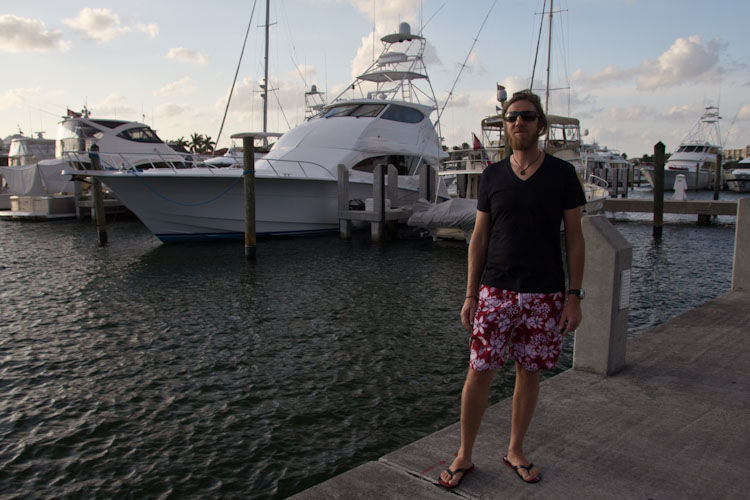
(478, 147)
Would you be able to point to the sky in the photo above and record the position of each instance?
(634, 72)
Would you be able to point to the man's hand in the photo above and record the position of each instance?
(468, 311)
(571, 315)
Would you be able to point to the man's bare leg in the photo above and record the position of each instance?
(473, 403)
(525, 396)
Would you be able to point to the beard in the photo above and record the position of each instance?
(522, 143)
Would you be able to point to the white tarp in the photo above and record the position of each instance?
(456, 212)
(38, 179)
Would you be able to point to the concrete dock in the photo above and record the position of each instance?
(674, 424)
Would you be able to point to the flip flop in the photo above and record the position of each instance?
(465, 473)
(527, 468)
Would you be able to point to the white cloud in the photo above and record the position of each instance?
(103, 25)
(114, 106)
(687, 60)
(744, 113)
(17, 97)
(184, 87)
(187, 55)
(19, 34)
(632, 113)
(170, 110)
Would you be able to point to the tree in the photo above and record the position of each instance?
(196, 142)
(208, 145)
(182, 142)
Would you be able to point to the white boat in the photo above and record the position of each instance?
(696, 156)
(24, 150)
(606, 164)
(296, 183)
(738, 179)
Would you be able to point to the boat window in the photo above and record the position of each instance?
(340, 111)
(402, 114)
(142, 134)
(109, 123)
(368, 110)
(406, 165)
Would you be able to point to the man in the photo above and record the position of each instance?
(515, 294)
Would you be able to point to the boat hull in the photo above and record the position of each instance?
(211, 207)
(703, 181)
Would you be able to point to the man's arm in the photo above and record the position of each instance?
(575, 249)
(480, 239)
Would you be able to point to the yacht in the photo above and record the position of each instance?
(387, 121)
(696, 156)
(606, 164)
(738, 179)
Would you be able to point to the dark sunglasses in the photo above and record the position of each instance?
(527, 116)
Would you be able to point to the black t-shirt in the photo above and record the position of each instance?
(524, 253)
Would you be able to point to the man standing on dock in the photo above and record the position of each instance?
(516, 305)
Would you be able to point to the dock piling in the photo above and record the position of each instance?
(97, 197)
(741, 264)
(658, 189)
(248, 177)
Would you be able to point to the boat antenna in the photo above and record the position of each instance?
(265, 77)
(476, 38)
(549, 59)
(231, 90)
(430, 19)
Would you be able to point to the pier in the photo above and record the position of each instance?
(695, 207)
(671, 424)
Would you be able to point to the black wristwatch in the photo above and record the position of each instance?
(578, 292)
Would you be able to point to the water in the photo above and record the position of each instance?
(182, 371)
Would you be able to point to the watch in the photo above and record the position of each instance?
(578, 292)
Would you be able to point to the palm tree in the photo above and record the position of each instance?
(182, 142)
(196, 142)
(208, 145)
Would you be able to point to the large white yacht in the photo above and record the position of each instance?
(697, 154)
(738, 179)
(386, 120)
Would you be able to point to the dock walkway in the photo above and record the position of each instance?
(674, 424)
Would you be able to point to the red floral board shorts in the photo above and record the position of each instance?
(522, 326)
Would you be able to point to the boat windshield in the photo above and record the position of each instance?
(357, 110)
(402, 114)
(140, 134)
(75, 135)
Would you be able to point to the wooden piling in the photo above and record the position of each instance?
(377, 227)
(248, 177)
(345, 224)
(97, 197)
(658, 189)
(717, 176)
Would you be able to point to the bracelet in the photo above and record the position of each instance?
(471, 296)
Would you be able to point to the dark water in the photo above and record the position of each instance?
(143, 370)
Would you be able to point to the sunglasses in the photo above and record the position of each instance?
(527, 116)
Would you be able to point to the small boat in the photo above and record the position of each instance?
(738, 179)
(696, 156)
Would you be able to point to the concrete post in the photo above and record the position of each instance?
(741, 266)
(601, 339)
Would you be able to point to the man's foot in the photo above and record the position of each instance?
(452, 476)
(525, 470)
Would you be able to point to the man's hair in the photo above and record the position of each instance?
(528, 95)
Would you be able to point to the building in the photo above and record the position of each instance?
(736, 154)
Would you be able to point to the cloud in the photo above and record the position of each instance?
(169, 110)
(114, 106)
(184, 87)
(17, 97)
(187, 55)
(744, 113)
(686, 60)
(103, 25)
(19, 34)
(634, 113)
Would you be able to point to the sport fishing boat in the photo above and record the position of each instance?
(385, 121)
(696, 156)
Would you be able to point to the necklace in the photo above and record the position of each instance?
(524, 169)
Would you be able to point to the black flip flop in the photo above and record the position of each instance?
(527, 468)
(465, 473)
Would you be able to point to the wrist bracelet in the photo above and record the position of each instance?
(471, 296)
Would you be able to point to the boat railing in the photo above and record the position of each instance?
(595, 179)
(293, 168)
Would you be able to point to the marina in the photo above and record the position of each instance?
(130, 366)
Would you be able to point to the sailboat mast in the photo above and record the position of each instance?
(549, 55)
(265, 77)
